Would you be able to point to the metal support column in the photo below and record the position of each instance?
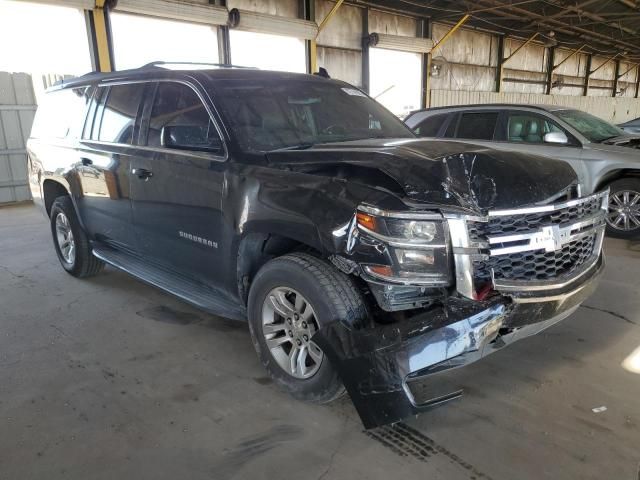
(224, 42)
(501, 39)
(551, 60)
(637, 80)
(616, 77)
(365, 49)
(100, 42)
(587, 74)
(308, 12)
(424, 28)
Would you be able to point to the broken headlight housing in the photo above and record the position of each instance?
(416, 246)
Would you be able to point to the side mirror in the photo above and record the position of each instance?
(556, 137)
(189, 137)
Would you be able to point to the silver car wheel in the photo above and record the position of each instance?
(624, 210)
(64, 235)
(288, 323)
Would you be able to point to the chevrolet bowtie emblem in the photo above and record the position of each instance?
(550, 238)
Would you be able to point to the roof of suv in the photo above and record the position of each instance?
(169, 70)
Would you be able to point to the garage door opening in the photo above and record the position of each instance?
(138, 40)
(267, 52)
(395, 79)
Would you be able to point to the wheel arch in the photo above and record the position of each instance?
(257, 248)
(52, 189)
(617, 174)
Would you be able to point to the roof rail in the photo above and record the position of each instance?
(203, 64)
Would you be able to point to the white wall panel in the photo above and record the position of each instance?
(532, 57)
(606, 72)
(17, 107)
(281, 8)
(453, 76)
(390, 24)
(466, 46)
(345, 65)
(185, 11)
(344, 30)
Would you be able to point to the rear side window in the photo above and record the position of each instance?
(61, 114)
(180, 115)
(430, 126)
(116, 113)
(477, 125)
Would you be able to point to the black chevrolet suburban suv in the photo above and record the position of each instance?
(363, 258)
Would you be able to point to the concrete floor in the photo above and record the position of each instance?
(109, 378)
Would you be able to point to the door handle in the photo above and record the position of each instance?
(142, 173)
(86, 161)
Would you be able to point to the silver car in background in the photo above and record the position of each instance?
(632, 126)
(602, 154)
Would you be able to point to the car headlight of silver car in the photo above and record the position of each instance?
(417, 246)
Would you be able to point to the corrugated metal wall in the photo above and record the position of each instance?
(17, 108)
(615, 110)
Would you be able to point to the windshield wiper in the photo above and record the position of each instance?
(608, 138)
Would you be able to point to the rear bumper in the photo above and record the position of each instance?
(377, 363)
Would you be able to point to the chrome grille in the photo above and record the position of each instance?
(538, 264)
(532, 248)
(510, 224)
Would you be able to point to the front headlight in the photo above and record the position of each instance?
(417, 246)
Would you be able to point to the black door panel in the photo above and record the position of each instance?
(177, 192)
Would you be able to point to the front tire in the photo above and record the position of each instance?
(291, 298)
(70, 242)
(623, 218)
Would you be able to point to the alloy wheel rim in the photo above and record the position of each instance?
(624, 210)
(288, 323)
(66, 242)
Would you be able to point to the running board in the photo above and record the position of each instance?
(190, 291)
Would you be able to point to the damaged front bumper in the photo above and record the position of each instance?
(377, 363)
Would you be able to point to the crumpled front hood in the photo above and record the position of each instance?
(439, 173)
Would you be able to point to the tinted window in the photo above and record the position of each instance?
(119, 113)
(61, 114)
(450, 132)
(268, 115)
(477, 125)
(530, 128)
(430, 126)
(177, 105)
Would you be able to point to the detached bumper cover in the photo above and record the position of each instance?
(376, 363)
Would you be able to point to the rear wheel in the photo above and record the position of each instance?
(291, 298)
(71, 243)
(623, 218)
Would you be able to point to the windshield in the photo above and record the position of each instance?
(593, 128)
(267, 115)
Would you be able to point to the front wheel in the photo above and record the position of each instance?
(71, 243)
(623, 218)
(291, 298)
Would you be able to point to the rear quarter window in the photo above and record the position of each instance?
(61, 114)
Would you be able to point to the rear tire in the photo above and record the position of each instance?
(304, 281)
(623, 218)
(70, 242)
